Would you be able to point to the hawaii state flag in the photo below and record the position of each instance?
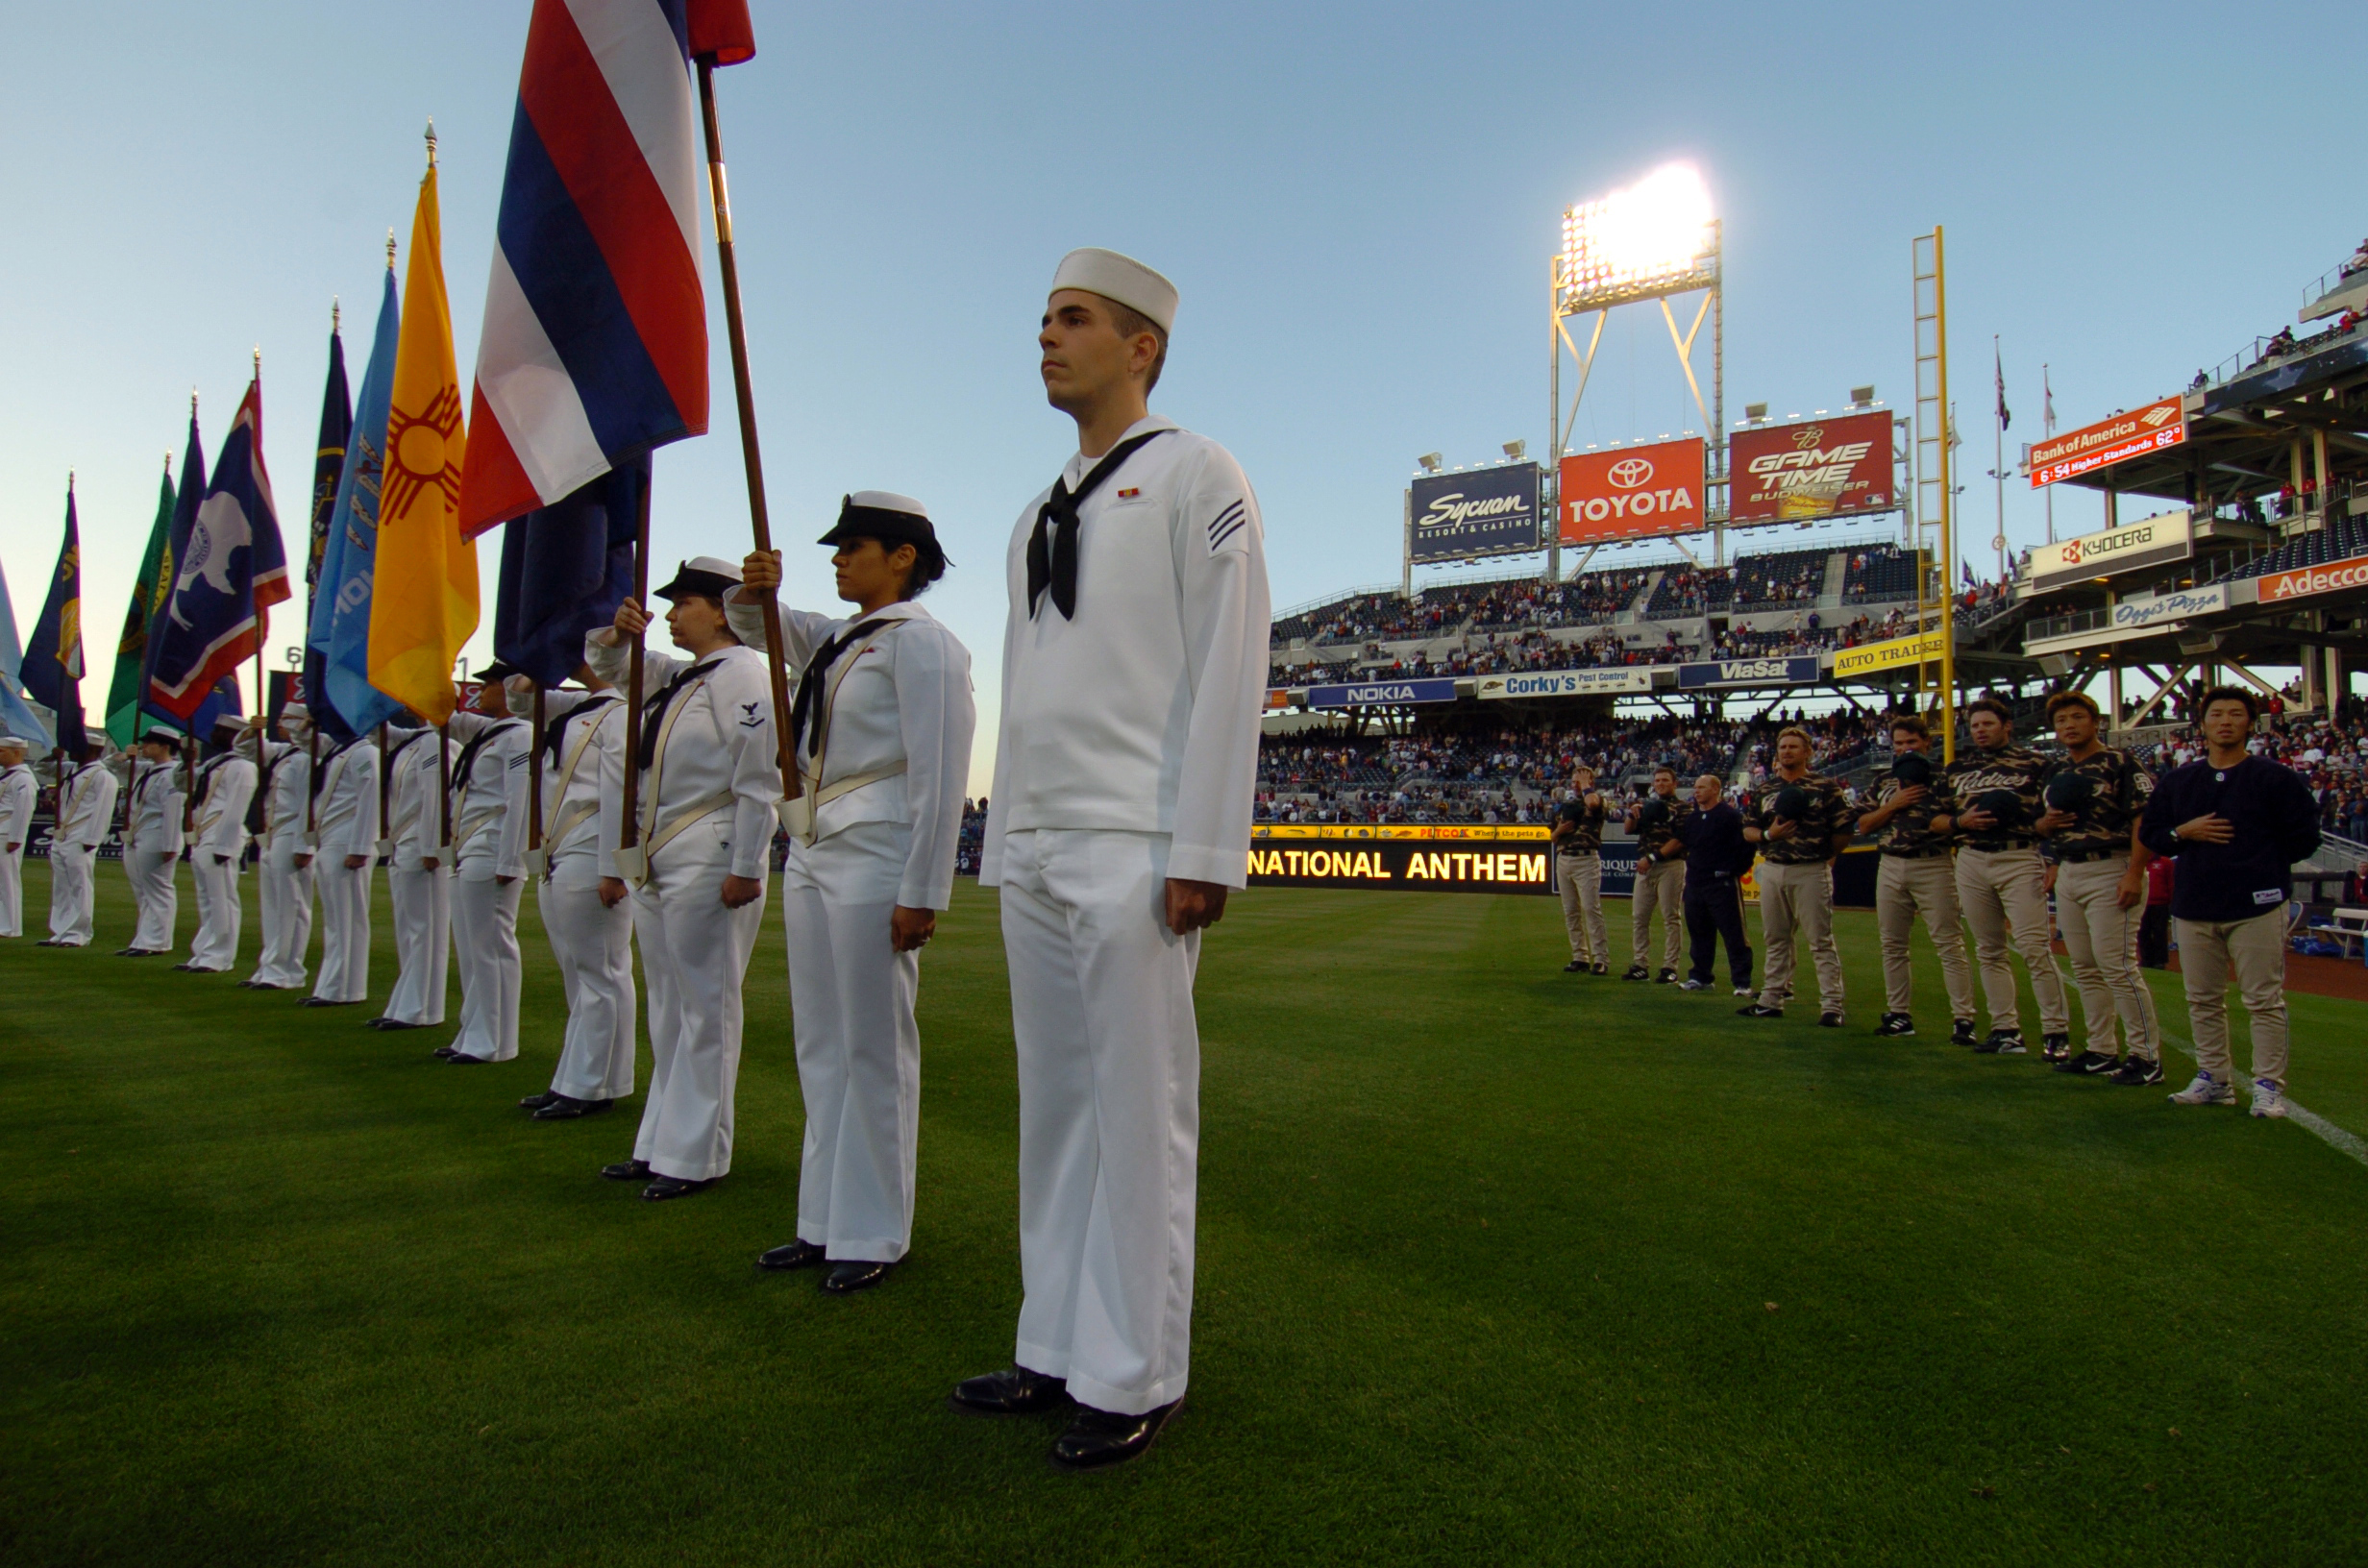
(594, 341)
(232, 571)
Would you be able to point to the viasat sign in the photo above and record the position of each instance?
(1632, 492)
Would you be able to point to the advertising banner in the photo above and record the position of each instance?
(1631, 492)
(1402, 864)
(1821, 468)
(1379, 693)
(2150, 541)
(2142, 610)
(1565, 682)
(1796, 671)
(2140, 431)
(2333, 577)
(1488, 511)
(1924, 648)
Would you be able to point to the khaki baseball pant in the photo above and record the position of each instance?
(1660, 887)
(1580, 879)
(2102, 938)
(2003, 888)
(2253, 952)
(1800, 896)
(1905, 889)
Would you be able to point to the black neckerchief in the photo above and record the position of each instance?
(1053, 562)
(468, 753)
(654, 710)
(552, 734)
(321, 772)
(803, 711)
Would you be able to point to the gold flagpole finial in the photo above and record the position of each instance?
(69, 482)
(259, 362)
(168, 462)
(390, 250)
(432, 143)
(193, 403)
(335, 317)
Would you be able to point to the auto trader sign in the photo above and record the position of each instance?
(1488, 511)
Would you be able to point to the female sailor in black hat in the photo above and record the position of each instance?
(706, 787)
(881, 730)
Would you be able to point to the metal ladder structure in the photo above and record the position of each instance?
(1935, 495)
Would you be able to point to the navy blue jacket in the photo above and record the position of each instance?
(2275, 824)
(1715, 846)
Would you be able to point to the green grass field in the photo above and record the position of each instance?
(1496, 1264)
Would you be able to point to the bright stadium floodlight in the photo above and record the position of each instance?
(1636, 242)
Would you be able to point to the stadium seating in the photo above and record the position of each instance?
(1794, 576)
(1885, 572)
(2343, 538)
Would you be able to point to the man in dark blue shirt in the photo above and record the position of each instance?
(2237, 823)
(1716, 857)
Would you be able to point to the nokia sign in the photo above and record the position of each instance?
(1380, 694)
(1488, 511)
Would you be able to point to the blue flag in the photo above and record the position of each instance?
(232, 571)
(52, 667)
(328, 468)
(565, 569)
(186, 500)
(16, 715)
(340, 626)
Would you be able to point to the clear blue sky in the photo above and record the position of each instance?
(1357, 204)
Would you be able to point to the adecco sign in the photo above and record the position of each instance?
(2333, 577)
(2148, 542)
(1631, 492)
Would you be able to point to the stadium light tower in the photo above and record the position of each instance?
(1656, 239)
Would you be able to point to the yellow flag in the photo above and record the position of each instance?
(424, 595)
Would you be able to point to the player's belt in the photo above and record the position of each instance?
(2000, 845)
(1933, 853)
(2082, 857)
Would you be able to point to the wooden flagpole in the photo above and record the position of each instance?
(535, 779)
(750, 456)
(628, 833)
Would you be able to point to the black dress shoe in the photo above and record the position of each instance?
(120, 952)
(1100, 1438)
(323, 1001)
(628, 1170)
(563, 1108)
(52, 942)
(854, 1274)
(1757, 1010)
(463, 1059)
(390, 1025)
(444, 1053)
(535, 1102)
(1013, 1392)
(794, 1255)
(185, 968)
(664, 1188)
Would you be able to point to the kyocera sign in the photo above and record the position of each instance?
(2148, 542)
(1631, 492)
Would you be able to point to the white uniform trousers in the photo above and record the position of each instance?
(858, 1048)
(694, 956)
(345, 929)
(285, 889)
(1109, 1055)
(595, 950)
(155, 893)
(422, 901)
(221, 916)
(70, 893)
(485, 941)
(12, 892)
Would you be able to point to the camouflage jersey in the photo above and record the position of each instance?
(1585, 835)
(1910, 830)
(1673, 826)
(2120, 786)
(1977, 773)
(1811, 842)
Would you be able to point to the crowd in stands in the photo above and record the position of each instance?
(1882, 571)
(1764, 580)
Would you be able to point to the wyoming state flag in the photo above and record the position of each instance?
(423, 598)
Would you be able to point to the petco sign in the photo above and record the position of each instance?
(1631, 492)
(2149, 542)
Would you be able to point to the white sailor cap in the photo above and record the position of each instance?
(709, 576)
(1119, 278)
(296, 711)
(8, 740)
(162, 735)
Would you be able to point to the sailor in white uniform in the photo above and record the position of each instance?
(18, 789)
(1134, 671)
(709, 783)
(419, 875)
(583, 762)
(85, 816)
(345, 835)
(284, 789)
(881, 727)
(226, 785)
(488, 795)
(154, 818)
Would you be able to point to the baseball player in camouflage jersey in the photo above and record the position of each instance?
(2095, 797)
(1993, 808)
(1918, 877)
(1800, 823)
(1660, 824)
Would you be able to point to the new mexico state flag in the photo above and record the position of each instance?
(423, 598)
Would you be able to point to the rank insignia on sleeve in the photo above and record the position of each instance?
(750, 718)
(1228, 526)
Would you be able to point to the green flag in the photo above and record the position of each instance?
(149, 591)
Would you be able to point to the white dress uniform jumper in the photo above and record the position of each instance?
(419, 894)
(885, 716)
(285, 888)
(707, 790)
(489, 799)
(584, 763)
(85, 816)
(218, 847)
(152, 842)
(18, 789)
(345, 817)
(1134, 671)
